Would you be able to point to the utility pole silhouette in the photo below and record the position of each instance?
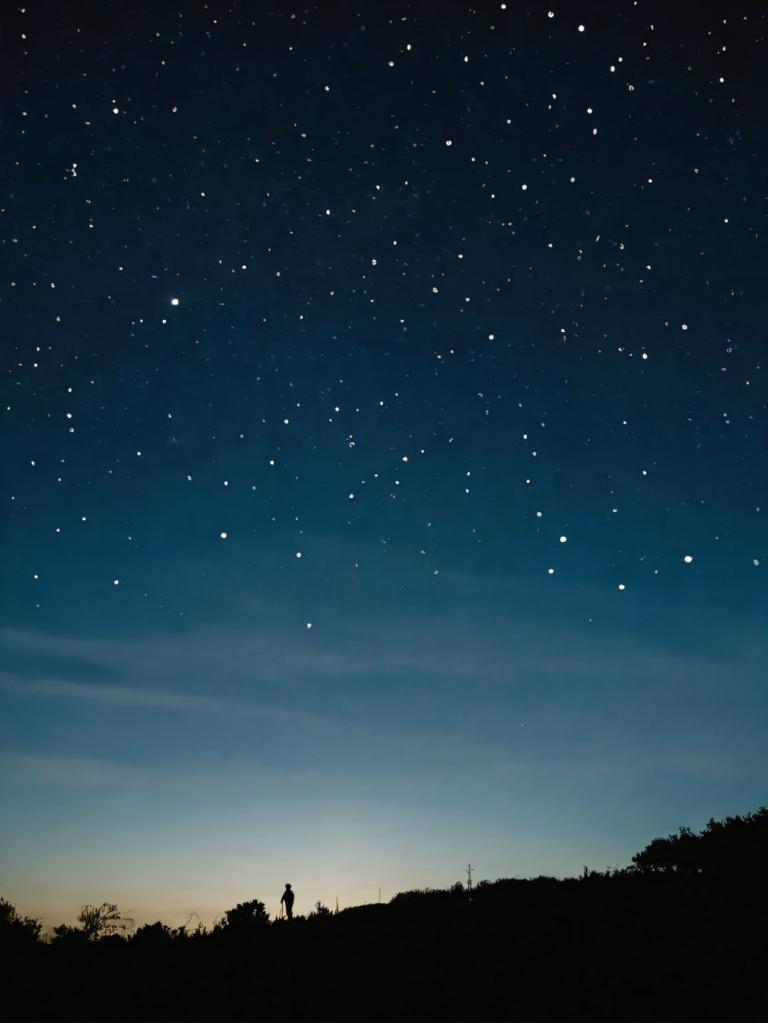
(469, 877)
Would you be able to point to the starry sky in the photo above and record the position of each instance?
(384, 443)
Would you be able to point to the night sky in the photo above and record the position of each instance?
(384, 443)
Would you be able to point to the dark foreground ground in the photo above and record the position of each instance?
(630, 946)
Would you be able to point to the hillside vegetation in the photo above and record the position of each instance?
(678, 935)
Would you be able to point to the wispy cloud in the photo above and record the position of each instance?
(438, 695)
(136, 697)
(489, 652)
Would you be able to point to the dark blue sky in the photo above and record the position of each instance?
(385, 431)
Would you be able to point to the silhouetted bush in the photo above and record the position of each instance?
(736, 845)
(319, 911)
(153, 934)
(246, 916)
(16, 931)
(64, 934)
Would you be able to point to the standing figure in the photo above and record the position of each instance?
(287, 900)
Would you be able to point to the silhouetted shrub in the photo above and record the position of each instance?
(153, 934)
(245, 916)
(736, 845)
(64, 934)
(16, 930)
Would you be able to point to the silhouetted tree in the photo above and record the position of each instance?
(734, 846)
(15, 929)
(102, 921)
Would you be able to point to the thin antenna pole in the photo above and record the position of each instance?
(337, 904)
(469, 877)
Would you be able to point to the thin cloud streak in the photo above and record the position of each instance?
(161, 699)
(432, 648)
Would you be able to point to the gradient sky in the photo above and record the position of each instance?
(384, 444)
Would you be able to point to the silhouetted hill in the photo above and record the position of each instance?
(680, 935)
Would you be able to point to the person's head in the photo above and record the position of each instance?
(288, 886)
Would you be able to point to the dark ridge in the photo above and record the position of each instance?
(678, 935)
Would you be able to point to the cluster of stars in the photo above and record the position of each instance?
(301, 295)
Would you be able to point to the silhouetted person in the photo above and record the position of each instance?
(287, 901)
